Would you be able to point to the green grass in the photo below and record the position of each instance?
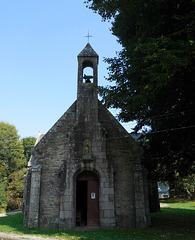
(190, 205)
(176, 221)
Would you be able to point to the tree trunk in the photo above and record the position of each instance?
(154, 203)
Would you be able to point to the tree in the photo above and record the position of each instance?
(184, 187)
(28, 143)
(3, 201)
(15, 189)
(154, 78)
(11, 149)
(11, 159)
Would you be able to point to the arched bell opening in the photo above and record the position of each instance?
(88, 72)
(87, 199)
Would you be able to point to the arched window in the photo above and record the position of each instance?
(88, 72)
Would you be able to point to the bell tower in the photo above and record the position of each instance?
(87, 58)
(87, 100)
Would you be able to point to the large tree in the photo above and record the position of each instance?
(28, 143)
(15, 189)
(11, 149)
(11, 160)
(153, 77)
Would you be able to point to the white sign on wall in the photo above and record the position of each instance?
(93, 195)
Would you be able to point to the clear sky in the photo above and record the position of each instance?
(39, 44)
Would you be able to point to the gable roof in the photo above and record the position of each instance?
(88, 51)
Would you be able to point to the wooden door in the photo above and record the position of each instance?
(92, 203)
(87, 195)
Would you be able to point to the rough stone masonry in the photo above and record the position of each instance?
(85, 171)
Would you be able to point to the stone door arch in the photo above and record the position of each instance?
(87, 199)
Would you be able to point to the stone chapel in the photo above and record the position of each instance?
(86, 171)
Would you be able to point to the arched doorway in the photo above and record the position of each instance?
(87, 199)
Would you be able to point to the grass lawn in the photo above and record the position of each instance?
(175, 221)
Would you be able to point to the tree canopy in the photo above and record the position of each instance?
(28, 143)
(11, 149)
(12, 164)
(153, 77)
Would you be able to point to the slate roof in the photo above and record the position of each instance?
(88, 51)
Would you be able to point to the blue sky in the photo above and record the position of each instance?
(39, 44)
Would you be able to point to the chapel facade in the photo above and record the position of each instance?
(86, 171)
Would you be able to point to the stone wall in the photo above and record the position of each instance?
(114, 153)
(123, 153)
(61, 155)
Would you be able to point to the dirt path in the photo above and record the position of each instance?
(9, 213)
(164, 205)
(11, 236)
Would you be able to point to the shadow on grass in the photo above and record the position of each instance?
(168, 224)
(14, 224)
(178, 220)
